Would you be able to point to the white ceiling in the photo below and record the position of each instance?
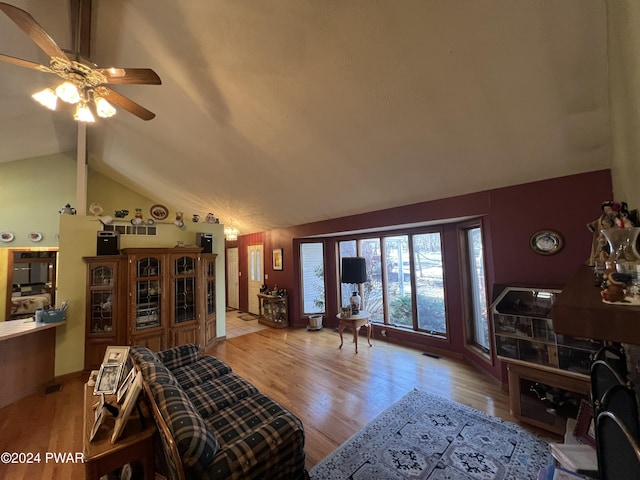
(282, 112)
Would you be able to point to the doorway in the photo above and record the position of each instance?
(255, 255)
(233, 283)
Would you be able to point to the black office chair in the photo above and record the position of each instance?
(618, 452)
(603, 377)
(622, 401)
(614, 356)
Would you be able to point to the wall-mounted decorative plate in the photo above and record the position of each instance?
(159, 212)
(546, 242)
(35, 236)
(7, 237)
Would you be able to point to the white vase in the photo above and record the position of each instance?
(354, 301)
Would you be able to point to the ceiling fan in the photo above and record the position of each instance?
(83, 85)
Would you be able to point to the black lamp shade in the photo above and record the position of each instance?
(354, 270)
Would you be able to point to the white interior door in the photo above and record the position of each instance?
(256, 275)
(233, 282)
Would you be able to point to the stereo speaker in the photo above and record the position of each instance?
(108, 243)
(205, 240)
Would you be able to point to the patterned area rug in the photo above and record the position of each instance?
(423, 436)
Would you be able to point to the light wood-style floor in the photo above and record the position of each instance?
(333, 391)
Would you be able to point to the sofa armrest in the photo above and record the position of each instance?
(276, 446)
(179, 356)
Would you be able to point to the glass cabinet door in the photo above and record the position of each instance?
(210, 272)
(101, 299)
(148, 291)
(184, 289)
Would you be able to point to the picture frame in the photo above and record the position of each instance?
(97, 418)
(584, 430)
(130, 399)
(116, 354)
(125, 385)
(278, 259)
(108, 378)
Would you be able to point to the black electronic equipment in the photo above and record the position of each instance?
(205, 240)
(108, 243)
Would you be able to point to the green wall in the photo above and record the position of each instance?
(40, 197)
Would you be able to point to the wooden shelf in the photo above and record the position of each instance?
(580, 312)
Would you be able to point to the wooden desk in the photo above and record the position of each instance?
(136, 443)
(354, 323)
(580, 312)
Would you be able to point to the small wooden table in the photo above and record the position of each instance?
(136, 443)
(354, 322)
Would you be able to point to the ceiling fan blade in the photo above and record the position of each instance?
(139, 76)
(24, 63)
(28, 24)
(129, 105)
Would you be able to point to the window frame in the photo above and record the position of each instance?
(382, 235)
(467, 295)
(301, 275)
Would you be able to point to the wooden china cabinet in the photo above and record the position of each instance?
(210, 322)
(106, 307)
(163, 297)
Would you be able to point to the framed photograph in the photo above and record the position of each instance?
(129, 402)
(585, 425)
(278, 263)
(124, 386)
(116, 355)
(97, 419)
(108, 378)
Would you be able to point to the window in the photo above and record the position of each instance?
(405, 286)
(346, 249)
(312, 274)
(429, 280)
(475, 302)
(398, 291)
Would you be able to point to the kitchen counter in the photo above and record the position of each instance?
(27, 358)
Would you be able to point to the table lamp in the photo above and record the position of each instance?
(354, 271)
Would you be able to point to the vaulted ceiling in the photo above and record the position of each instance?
(282, 112)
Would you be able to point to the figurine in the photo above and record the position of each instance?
(606, 220)
(68, 210)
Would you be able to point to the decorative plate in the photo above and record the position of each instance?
(35, 236)
(546, 242)
(7, 237)
(159, 212)
(96, 209)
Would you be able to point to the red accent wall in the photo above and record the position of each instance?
(510, 216)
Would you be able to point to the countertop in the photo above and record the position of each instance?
(16, 328)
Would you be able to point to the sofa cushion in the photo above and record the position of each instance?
(195, 442)
(157, 373)
(179, 356)
(141, 354)
(258, 439)
(219, 393)
(205, 369)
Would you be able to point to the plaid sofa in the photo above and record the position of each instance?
(217, 425)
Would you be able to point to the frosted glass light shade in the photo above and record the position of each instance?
(46, 97)
(83, 113)
(68, 92)
(104, 108)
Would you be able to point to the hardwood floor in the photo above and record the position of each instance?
(335, 392)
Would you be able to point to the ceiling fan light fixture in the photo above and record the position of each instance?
(103, 108)
(83, 113)
(46, 97)
(68, 92)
